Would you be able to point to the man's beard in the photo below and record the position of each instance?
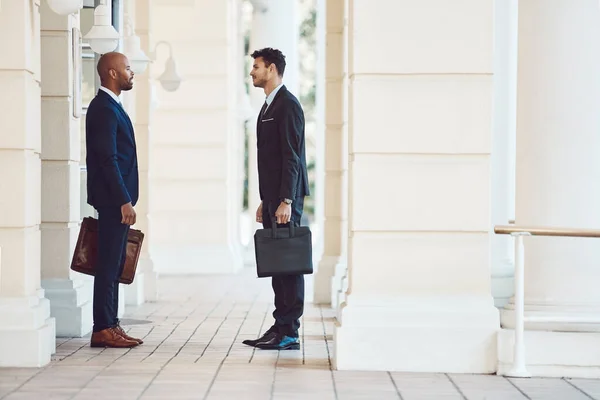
(127, 87)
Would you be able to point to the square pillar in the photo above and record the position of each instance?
(332, 268)
(139, 105)
(420, 118)
(195, 207)
(503, 143)
(557, 171)
(70, 293)
(27, 331)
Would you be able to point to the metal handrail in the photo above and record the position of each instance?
(546, 231)
(519, 367)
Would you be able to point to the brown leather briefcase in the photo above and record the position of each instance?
(86, 251)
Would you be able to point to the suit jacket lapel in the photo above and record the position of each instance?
(122, 111)
(128, 122)
(260, 115)
(264, 114)
(272, 105)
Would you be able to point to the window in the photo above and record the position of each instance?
(88, 69)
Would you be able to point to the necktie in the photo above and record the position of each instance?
(123, 108)
(262, 110)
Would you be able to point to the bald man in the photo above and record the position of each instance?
(112, 188)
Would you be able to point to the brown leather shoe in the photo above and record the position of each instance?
(110, 338)
(121, 332)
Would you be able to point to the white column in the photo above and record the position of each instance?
(241, 114)
(274, 24)
(558, 148)
(419, 188)
(27, 332)
(318, 195)
(339, 281)
(335, 226)
(139, 108)
(192, 146)
(259, 38)
(505, 52)
(70, 294)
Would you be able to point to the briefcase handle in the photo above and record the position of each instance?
(274, 228)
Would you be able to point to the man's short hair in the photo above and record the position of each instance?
(271, 56)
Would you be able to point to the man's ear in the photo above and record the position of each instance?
(112, 73)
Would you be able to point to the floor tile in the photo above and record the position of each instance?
(193, 350)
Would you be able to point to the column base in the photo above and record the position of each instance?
(323, 280)
(503, 283)
(339, 283)
(145, 286)
(135, 293)
(248, 227)
(121, 310)
(454, 335)
(197, 260)
(150, 283)
(342, 297)
(250, 255)
(553, 354)
(27, 332)
(71, 305)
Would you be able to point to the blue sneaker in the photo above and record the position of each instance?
(280, 343)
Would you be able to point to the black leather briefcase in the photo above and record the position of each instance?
(283, 251)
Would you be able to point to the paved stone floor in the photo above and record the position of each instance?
(193, 350)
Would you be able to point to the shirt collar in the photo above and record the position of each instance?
(271, 95)
(111, 94)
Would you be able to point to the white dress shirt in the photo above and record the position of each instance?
(271, 96)
(111, 94)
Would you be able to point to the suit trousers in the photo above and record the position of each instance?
(112, 245)
(289, 290)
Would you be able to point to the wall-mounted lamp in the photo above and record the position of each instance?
(261, 6)
(103, 38)
(169, 79)
(133, 49)
(65, 7)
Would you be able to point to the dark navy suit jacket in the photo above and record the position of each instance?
(282, 171)
(112, 168)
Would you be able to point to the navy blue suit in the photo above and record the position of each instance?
(282, 174)
(112, 181)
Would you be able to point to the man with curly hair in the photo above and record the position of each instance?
(283, 184)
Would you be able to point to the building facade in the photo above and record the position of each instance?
(434, 122)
